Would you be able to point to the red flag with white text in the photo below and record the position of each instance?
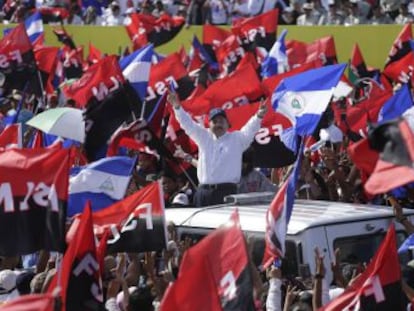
(378, 288)
(79, 278)
(214, 274)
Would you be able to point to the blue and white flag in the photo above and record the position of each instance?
(276, 62)
(303, 99)
(136, 68)
(407, 245)
(396, 105)
(33, 25)
(103, 182)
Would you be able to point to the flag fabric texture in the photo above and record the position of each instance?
(214, 274)
(143, 29)
(136, 69)
(276, 62)
(34, 186)
(396, 105)
(303, 99)
(33, 25)
(11, 136)
(401, 45)
(32, 302)
(378, 288)
(278, 217)
(322, 50)
(357, 67)
(79, 278)
(18, 64)
(103, 183)
(109, 101)
(257, 31)
(394, 140)
(136, 223)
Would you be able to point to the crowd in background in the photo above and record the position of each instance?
(218, 12)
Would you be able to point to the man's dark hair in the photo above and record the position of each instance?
(140, 300)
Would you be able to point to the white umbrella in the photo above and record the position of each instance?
(64, 122)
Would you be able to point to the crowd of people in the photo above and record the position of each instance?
(223, 165)
(216, 12)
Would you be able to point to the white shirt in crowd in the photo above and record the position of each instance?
(219, 12)
(255, 6)
(219, 159)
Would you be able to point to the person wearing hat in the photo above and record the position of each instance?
(308, 18)
(220, 152)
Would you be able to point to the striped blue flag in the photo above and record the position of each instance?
(136, 68)
(303, 98)
(103, 182)
(276, 62)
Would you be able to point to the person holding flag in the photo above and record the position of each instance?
(220, 153)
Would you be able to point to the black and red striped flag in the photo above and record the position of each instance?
(136, 223)
(214, 274)
(144, 29)
(80, 278)
(257, 31)
(34, 191)
(379, 286)
(109, 100)
(18, 62)
(394, 140)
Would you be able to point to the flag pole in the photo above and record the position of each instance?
(144, 104)
(42, 90)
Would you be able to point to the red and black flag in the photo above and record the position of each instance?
(394, 140)
(168, 71)
(356, 117)
(34, 189)
(272, 82)
(401, 45)
(11, 136)
(144, 29)
(109, 100)
(379, 286)
(46, 58)
(17, 59)
(213, 36)
(357, 67)
(136, 223)
(65, 38)
(79, 278)
(214, 274)
(257, 31)
(229, 54)
(267, 141)
(240, 88)
(322, 50)
(401, 70)
(53, 14)
(95, 55)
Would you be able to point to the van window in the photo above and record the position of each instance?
(361, 248)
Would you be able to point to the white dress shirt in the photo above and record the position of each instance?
(219, 159)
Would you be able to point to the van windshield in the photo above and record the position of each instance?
(360, 249)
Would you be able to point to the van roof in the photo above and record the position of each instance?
(306, 214)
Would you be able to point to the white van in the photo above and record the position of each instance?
(354, 228)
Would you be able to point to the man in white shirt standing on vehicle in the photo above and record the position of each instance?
(220, 152)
